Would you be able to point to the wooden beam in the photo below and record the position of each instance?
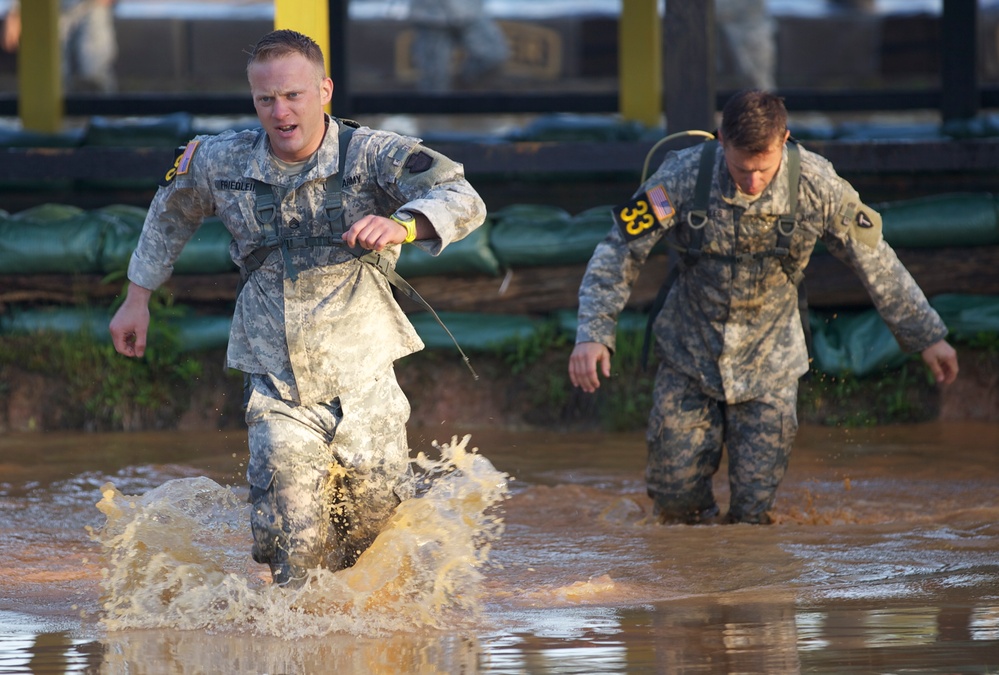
(959, 59)
(690, 65)
(39, 67)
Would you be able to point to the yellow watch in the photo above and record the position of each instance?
(407, 220)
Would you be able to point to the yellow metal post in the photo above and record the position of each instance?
(309, 17)
(640, 70)
(39, 70)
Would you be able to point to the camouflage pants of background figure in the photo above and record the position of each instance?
(324, 478)
(482, 45)
(687, 432)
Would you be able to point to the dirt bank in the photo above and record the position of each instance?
(511, 393)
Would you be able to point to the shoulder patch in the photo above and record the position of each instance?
(635, 219)
(661, 204)
(181, 162)
(864, 223)
(419, 162)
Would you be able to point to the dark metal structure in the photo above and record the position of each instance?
(690, 94)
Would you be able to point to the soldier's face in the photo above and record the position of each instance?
(289, 94)
(752, 172)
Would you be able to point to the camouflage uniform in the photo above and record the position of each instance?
(442, 26)
(325, 414)
(729, 336)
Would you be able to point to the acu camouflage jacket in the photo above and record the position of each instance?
(735, 326)
(338, 322)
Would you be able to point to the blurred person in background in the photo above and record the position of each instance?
(748, 36)
(445, 28)
(89, 43)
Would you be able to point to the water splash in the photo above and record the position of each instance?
(177, 557)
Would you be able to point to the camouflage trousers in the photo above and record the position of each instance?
(686, 435)
(324, 478)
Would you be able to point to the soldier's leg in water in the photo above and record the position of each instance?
(684, 440)
(290, 465)
(371, 442)
(759, 436)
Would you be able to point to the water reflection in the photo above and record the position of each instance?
(884, 559)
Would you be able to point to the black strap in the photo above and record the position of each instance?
(697, 218)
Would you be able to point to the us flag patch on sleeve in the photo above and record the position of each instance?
(661, 205)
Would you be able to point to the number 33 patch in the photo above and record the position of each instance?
(639, 216)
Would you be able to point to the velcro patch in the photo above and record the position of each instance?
(181, 162)
(419, 162)
(662, 207)
(865, 226)
(635, 219)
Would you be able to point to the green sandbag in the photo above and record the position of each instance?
(968, 314)
(207, 252)
(193, 332)
(123, 224)
(201, 332)
(958, 219)
(627, 321)
(474, 332)
(71, 320)
(853, 342)
(469, 256)
(539, 236)
(51, 239)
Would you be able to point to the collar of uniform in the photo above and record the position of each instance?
(260, 167)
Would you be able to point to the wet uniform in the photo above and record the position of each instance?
(316, 329)
(729, 336)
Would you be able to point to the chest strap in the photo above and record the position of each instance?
(697, 218)
(266, 211)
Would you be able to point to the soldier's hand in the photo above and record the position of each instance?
(374, 233)
(941, 359)
(584, 362)
(130, 324)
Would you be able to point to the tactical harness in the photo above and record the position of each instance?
(266, 211)
(697, 218)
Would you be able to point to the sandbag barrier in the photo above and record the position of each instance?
(58, 239)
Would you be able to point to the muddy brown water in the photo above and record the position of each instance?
(884, 559)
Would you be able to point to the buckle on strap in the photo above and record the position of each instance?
(785, 225)
(701, 219)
